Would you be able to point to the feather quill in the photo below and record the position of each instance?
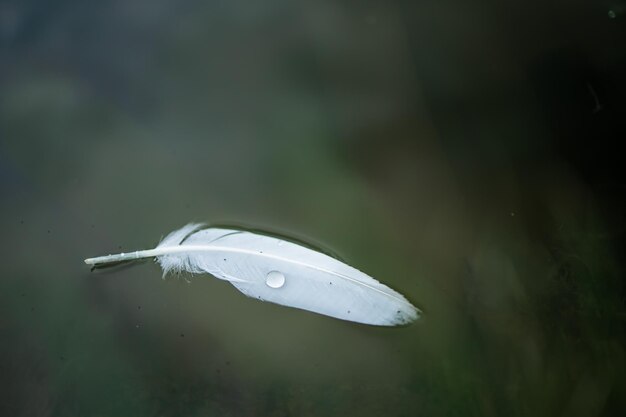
(271, 269)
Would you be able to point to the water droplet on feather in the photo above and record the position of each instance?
(275, 279)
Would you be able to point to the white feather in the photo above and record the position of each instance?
(305, 278)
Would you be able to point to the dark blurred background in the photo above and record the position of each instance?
(467, 154)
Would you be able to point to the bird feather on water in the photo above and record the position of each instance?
(271, 269)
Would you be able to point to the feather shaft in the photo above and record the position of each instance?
(171, 250)
(121, 257)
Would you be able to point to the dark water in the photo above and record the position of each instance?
(466, 154)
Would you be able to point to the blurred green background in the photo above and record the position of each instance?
(464, 153)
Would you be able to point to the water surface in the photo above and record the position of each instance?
(465, 154)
